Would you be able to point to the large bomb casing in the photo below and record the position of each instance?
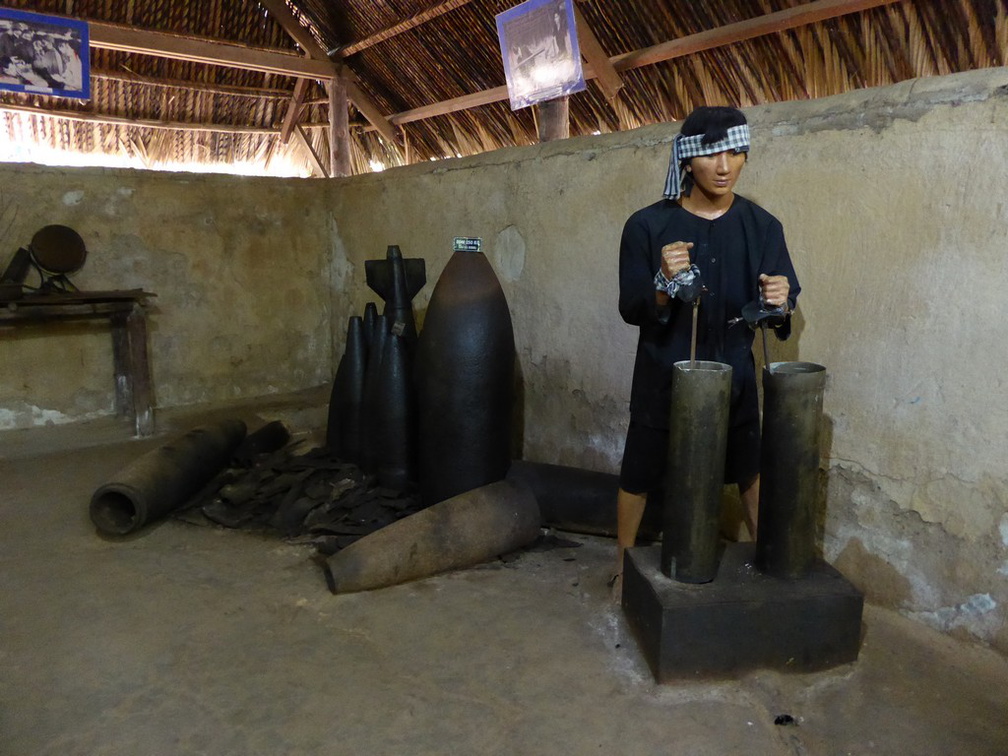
(343, 431)
(164, 479)
(698, 437)
(397, 281)
(789, 468)
(462, 531)
(465, 380)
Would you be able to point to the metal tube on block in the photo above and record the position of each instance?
(698, 437)
(789, 467)
(164, 479)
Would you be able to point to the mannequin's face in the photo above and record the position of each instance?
(715, 175)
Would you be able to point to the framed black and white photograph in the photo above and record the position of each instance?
(43, 55)
(539, 47)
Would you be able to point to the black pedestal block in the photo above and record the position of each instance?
(741, 620)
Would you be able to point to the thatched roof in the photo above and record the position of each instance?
(414, 66)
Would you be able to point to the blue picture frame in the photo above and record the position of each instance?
(540, 51)
(46, 55)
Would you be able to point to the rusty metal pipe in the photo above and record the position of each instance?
(698, 437)
(789, 467)
(581, 501)
(164, 479)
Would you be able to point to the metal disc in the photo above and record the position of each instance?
(58, 249)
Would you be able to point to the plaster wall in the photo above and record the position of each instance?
(894, 204)
(237, 264)
(893, 201)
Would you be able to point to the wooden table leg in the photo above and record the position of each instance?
(121, 361)
(139, 368)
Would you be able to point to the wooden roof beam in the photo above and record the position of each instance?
(313, 156)
(299, 34)
(297, 31)
(286, 18)
(107, 36)
(191, 86)
(368, 109)
(403, 26)
(607, 77)
(771, 23)
(294, 109)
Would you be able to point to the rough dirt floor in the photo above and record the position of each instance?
(199, 640)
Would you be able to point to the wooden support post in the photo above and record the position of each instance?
(554, 120)
(339, 127)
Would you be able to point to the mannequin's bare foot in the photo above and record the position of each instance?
(616, 588)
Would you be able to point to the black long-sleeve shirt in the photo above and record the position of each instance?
(731, 253)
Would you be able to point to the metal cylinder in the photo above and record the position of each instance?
(164, 479)
(789, 467)
(698, 437)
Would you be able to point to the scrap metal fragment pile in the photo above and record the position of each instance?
(309, 496)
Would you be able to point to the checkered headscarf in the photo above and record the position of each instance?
(686, 147)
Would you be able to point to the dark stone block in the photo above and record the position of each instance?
(741, 620)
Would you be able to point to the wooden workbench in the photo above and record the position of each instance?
(126, 314)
